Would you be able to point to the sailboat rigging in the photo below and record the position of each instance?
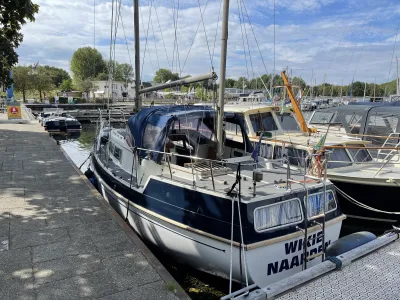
(188, 186)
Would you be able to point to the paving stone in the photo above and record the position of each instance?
(16, 290)
(93, 285)
(4, 243)
(40, 237)
(66, 267)
(4, 228)
(11, 202)
(16, 264)
(113, 243)
(155, 291)
(62, 249)
(131, 270)
(94, 229)
(26, 225)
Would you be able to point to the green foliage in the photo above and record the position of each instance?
(123, 72)
(242, 81)
(13, 14)
(163, 75)
(102, 77)
(22, 80)
(83, 85)
(230, 83)
(57, 75)
(87, 63)
(66, 85)
(42, 81)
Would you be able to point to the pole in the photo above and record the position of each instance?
(341, 89)
(397, 78)
(312, 84)
(138, 103)
(224, 46)
(375, 89)
(323, 88)
(365, 91)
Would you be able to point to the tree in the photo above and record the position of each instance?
(299, 81)
(124, 72)
(87, 63)
(163, 75)
(57, 75)
(22, 80)
(230, 83)
(66, 85)
(13, 14)
(241, 83)
(102, 76)
(85, 85)
(42, 81)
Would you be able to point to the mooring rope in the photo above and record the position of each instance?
(354, 201)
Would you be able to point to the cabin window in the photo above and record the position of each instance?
(263, 122)
(111, 147)
(320, 117)
(278, 152)
(118, 153)
(150, 137)
(266, 150)
(278, 215)
(315, 204)
(360, 155)
(339, 158)
(354, 123)
(233, 129)
(288, 122)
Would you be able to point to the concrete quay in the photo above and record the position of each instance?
(59, 239)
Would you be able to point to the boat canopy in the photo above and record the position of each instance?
(151, 127)
(368, 121)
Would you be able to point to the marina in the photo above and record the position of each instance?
(209, 151)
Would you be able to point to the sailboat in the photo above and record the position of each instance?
(190, 189)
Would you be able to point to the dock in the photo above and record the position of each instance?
(59, 239)
(368, 272)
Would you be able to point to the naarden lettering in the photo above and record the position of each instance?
(297, 260)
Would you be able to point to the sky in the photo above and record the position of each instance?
(341, 40)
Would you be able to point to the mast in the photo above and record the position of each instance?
(222, 73)
(397, 78)
(138, 103)
(323, 88)
(375, 89)
(341, 89)
(365, 90)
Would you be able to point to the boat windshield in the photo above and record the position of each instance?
(339, 158)
(360, 155)
(263, 122)
(288, 122)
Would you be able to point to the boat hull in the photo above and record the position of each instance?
(379, 196)
(267, 261)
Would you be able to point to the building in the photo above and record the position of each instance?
(118, 91)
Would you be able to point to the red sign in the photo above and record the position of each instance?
(14, 110)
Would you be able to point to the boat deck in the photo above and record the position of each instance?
(274, 181)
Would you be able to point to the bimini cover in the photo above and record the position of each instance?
(149, 128)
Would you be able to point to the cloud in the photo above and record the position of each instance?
(319, 36)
